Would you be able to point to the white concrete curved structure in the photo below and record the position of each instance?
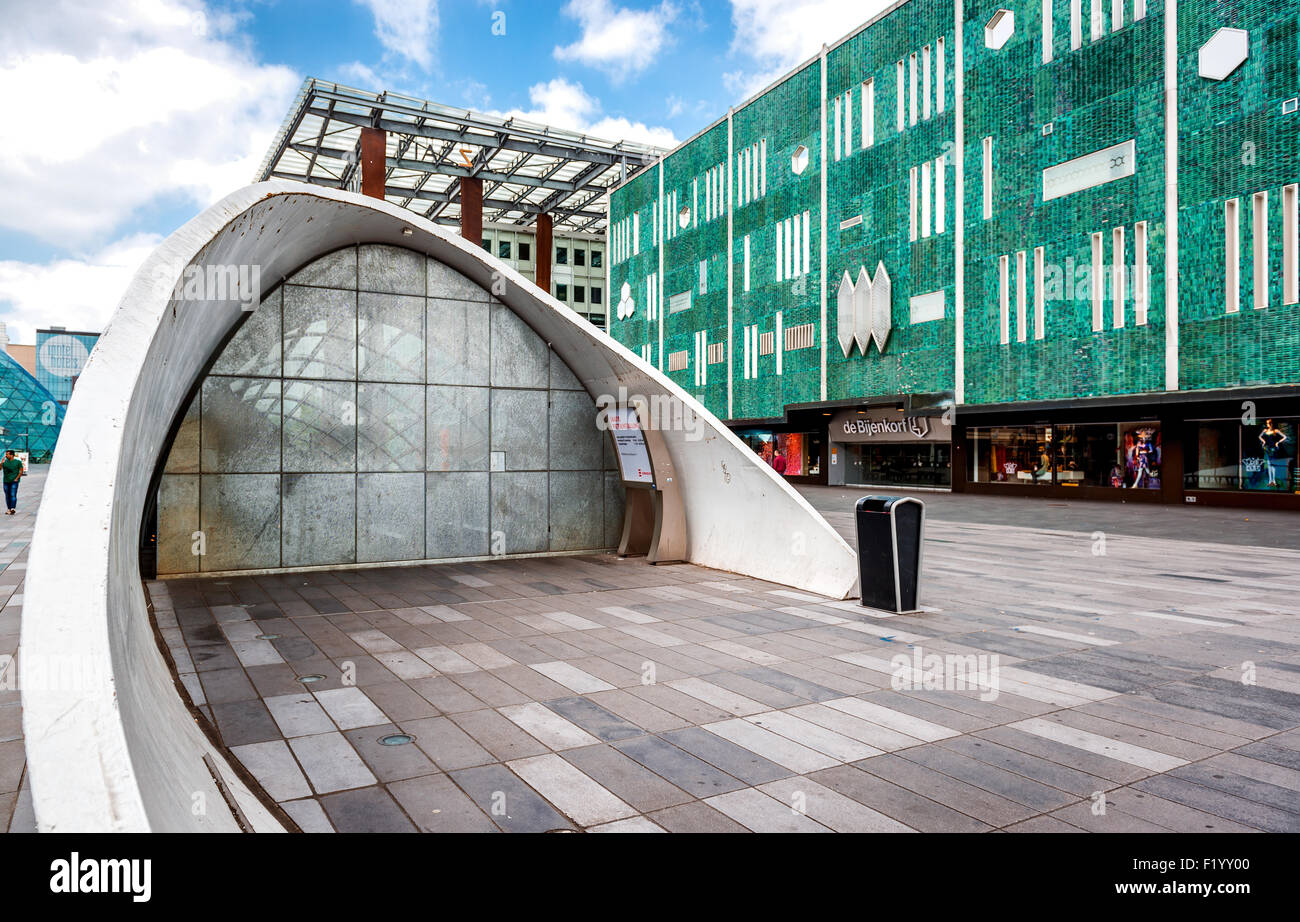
(121, 752)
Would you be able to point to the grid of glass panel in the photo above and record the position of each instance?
(30, 416)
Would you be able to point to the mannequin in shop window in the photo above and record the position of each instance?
(1043, 471)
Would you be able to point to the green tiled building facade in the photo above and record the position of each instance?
(1057, 239)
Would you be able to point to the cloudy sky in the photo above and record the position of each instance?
(124, 118)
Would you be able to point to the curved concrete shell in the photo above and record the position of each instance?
(110, 744)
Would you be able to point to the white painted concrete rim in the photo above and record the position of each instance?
(120, 752)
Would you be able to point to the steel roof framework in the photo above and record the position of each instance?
(526, 169)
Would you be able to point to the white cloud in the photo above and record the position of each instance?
(406, 27)
(619, 41)
(778, 34)
(110, 108)
(567, 105)
(79, 293)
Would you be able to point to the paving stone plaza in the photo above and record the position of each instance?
(1154, 688)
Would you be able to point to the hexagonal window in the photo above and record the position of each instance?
(684, 217)
(1226, 50)
(999, 29)
(799, 160)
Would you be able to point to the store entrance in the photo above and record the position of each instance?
(912, 464)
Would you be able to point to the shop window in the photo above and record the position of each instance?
(1111, 455)
(1015, 455)
(1231, 455)
(792, 454)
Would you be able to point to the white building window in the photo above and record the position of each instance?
(940, 191)
(1040, 296)
(838, 140)
(1231, 257)
(780, 263)
(636, 234)
(746, 273)
(911, 84)
(938, 76)
(807, 237)
(1096, 15)
(1004, 300)
(1259, 233)
(1119, 290)
(911, 204)
(1047, 31)
(848, 123)
(704, 277)
(1076, 24)
(988, 178)
(902, 97)
(925, 199)
(1022, 326)
(794, 248)
(1098, 281)
(868, 114)
(1142, 275)
(1290, 244)
(1116, 15)
(925, 82)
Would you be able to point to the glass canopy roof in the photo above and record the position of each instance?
(527, 169)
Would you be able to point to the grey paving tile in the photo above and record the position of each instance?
(801, 688)
(1061, 777)
(436, 804)
(735, 760)
(366, 810)
(1219, 803)
(596, 720)
(1013, 787)
(508, 801)
(275, 769)
(446, 744)
(309, 815)
(241, 722)
(638, 711)
(679, 767)
(625, 778)
(331, 763)
(389, 762)
(695, 817)
(901, 804)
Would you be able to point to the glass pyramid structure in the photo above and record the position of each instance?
(30, 417)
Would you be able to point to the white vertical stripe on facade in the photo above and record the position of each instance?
(848, 123)
(1231, 257)
(762, 167)
(1139, 10)
(1040, 296)
(938, 76)
(868, 114)
(911, 88)
(838, 143)
(636, 233)
(925, 82)
(1118, 286)
(925, 199)
(1095, 17)
(730, 232)
(747, 262)
(988, 178)
(940, 193)
(1004, 300)
(902, 95)
(1171, 196)
(1022, 326)
(1076, 24)
(1259, 239)
(1047, 31)
(911, 204)
(1116, 15)
(1097, 288)
(959, 211)
(1291, 244)
(659, 313)
(1141, 275)
(794, 248)
(821, 217)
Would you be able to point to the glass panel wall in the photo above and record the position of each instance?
(1234, 455)
(1115, 455)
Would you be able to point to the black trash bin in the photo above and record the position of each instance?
(890, 531)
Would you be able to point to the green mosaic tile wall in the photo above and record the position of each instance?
(1107, 92)
(1234, 141)
(1104, 93)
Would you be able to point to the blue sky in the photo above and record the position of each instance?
(161, 107)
